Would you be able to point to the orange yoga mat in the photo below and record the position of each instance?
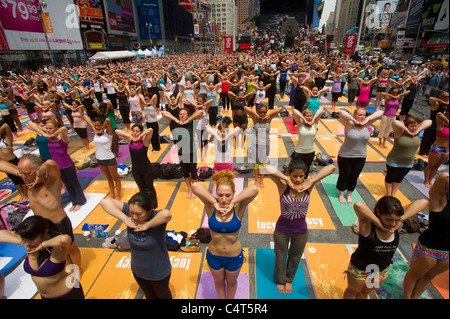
(326, 264)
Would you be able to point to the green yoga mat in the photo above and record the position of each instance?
(265, 284)
(392, 287)
(345, 212)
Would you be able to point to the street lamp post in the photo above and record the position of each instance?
(149, 26)
(39, 10)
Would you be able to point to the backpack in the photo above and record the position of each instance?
(204, 173)
(169, 171)
(156, 167)
(204, 234)
(419, 164)
(11, 215)
(322, 159)
(411, 225)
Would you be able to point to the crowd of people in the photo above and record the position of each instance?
(187, 91)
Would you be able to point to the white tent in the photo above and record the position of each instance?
(148, 53)
(112, 55)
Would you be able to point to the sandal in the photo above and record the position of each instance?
(192, 247)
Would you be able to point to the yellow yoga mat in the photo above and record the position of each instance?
(334, 125)
(185, 273)
(330, 144)
(187, 213)
(374, 182)
(277, 126)
(107, 274)
(327, 263)
(115, 280)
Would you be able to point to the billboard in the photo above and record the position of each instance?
(90, 12)
(120, 17)
(22, 29)
(434, 15)
(379, 15)
(414, 16)
(149, 20)
(228, 44)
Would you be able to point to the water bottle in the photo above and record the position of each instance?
(91, 229)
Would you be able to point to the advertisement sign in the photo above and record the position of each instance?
(120, 17)
(414, 16)
(350, 43)
(379, 15)
(149, 21)
(228, 44)
(23, 29)
(90, 12)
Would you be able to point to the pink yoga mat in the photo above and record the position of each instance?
(206, 289)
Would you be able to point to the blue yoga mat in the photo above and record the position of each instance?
(9, 255)
(265, 284)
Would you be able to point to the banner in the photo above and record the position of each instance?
(228, 44)
(120, 17)
(23, 29)
(90, 12)
(380, 14)
(149, 20)
(350, 43)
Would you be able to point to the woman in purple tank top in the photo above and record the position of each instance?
(391, 105)
(291, 226)
(57, 146)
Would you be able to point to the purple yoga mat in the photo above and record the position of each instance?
(206, 289)
(124, 153)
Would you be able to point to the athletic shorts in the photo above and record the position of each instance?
(65, 227)
(434, 253)
(229, 263)
(358, 274)
(240, 119)
(108, 162)
(439, 150)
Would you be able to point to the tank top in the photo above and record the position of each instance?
(305, 144)
(225, 87)
(403, 151)
(139, 157)
(355, 143)
(103, 146)
(135, 103)
(293, 213)
(262, 133)
(58, 152)
(372, 250)
(411, 95)
(390, 108)
(313, 104)
(110, 88)
(189, 95)
(78, 120)
(150, 114)
(364, 94)
(260, 96)
(212, 96)
(436, 236)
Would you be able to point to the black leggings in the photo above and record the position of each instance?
(395, 174)
(144, 181)
(225, 100)
(349, 170)
(189, 165)
(156, 144)
(154, 289)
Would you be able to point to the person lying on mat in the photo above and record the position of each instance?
(378, 240)
(146, 233)
(43, 180)
(225, 254)
(291, 227)
(46, 257)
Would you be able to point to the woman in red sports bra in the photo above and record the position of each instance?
(439, 150)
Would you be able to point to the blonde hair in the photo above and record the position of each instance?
(53, 122)
(224, 177)
(358, 109)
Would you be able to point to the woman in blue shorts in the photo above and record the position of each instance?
(225, 212)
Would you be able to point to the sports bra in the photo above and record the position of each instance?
(47, 269)
(384, 80)
(225, 228)
(443, 133)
